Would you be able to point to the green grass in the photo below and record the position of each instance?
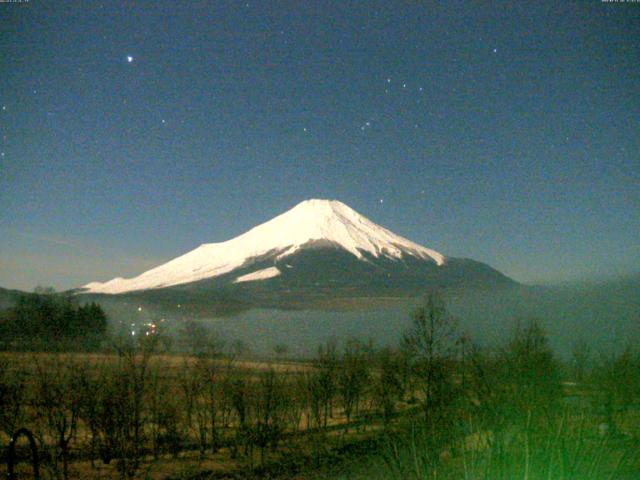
(572, 450)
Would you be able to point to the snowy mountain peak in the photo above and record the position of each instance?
(310, 222)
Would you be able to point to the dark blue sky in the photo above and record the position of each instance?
(508, 133)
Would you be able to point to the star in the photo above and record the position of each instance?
(382, 200)
(495, 50)
(129, 59)
(164, 121)
(4, 107)
(305, 129)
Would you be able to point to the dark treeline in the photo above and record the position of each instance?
(44, 320)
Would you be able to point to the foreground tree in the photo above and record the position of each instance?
(120, 404)
(324, 383)
(616, 380)
(353, 377)
(12, 398)
(531, 372)
(387, 387)
(430, 344)
(57, 403)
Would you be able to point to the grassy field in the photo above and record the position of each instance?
(189, 396)
(569, 445)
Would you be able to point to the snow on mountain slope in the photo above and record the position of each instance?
(309, 221)
(258, 275)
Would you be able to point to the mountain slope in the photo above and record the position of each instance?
(320, 254)
(311, 222)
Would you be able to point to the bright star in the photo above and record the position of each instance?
(495, 50)
(129, 58)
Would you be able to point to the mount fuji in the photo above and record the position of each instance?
(316, 253)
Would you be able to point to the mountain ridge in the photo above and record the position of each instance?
(306, 224)
(321, 254)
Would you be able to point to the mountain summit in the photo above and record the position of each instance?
(320, 254)
(310, 224)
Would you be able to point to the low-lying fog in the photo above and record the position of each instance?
(604, 315)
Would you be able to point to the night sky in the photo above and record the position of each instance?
(132, 132)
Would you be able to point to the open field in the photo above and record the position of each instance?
(164, 415)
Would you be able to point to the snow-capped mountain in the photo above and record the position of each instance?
(308, 223)
(319, 253)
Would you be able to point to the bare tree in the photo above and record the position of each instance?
(88, 385)
(353, 376)
(531, 372)
(195, 408)
(164, 414)
(237, 391)
(209, 373)
(430, 342)
(387, 383)
(58, 406)
(12, 401)
(327, 365)
(270, 411)
(121, 404)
